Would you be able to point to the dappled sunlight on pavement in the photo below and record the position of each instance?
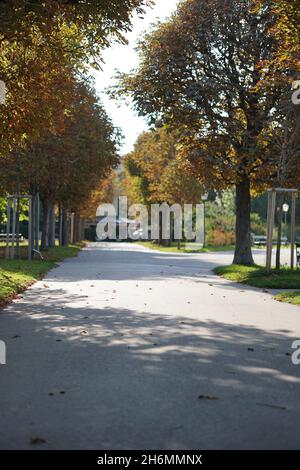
(125, 348)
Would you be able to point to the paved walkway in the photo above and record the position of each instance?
(113, 349)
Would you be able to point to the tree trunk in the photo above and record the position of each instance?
(78, 229)
(65, 230)
(243, 254)
(52, 226)
(45, 225)
(60, 225)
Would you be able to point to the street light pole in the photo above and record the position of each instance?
(285, 208)
(204, 199)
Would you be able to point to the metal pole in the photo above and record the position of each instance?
(13, 230)
(30, 222)
(7, 228)
(60, 225)
(293, 230)
(204, 225)
(270, 226)
(37, 221)
(72, 226)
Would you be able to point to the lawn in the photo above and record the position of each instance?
(185, 248)
(258, 277)
(17, 275)
(289, 297)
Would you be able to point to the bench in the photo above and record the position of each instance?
(298, 253)
(3, 237)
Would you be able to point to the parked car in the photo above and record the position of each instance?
(258, 240)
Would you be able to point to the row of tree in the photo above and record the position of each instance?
(55, 137)
(218, 74)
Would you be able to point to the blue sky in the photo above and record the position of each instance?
(124, 58)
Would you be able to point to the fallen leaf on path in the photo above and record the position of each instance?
(45, 285)
(278, 407)
(37, 440)
(207, 397)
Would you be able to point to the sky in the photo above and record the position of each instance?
(124, 58)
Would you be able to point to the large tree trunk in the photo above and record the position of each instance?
(45, 225)
(243, 254)
(78, 229)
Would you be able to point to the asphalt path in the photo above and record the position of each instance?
(127, 348)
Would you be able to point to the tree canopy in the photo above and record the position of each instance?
(200, 73)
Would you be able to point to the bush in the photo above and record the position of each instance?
(220, 237)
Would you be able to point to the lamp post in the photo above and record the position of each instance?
(285, 208)
(204, 199)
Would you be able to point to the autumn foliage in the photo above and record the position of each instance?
(55, 138)
(206, 73)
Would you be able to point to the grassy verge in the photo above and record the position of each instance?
(289, 297)
(17, 275)
(185, 248)
(258, 277)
